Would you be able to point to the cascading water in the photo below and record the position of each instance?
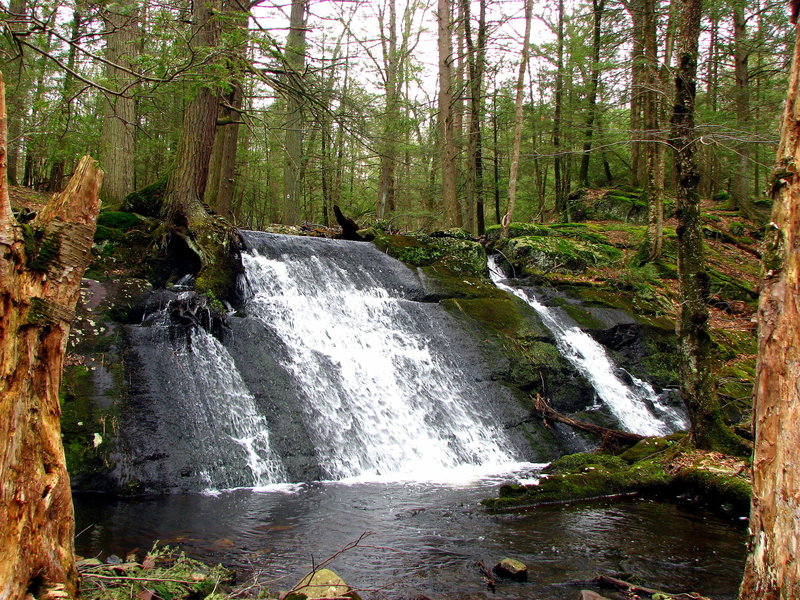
(335, 367)
(637, 407)
(384, 396)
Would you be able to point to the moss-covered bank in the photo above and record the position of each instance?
(655, 467)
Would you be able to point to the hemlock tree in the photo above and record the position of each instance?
(41, 266)
(709, 431)
(772, 571)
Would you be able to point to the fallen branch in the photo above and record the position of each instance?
(488, 576)
(125, 578)
(605, 581)
(610, 437)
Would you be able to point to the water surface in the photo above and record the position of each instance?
(426, 538)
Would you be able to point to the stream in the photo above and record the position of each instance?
(426, 538)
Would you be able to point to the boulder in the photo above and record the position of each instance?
(321, 584)
(510, 568)
(590, 595)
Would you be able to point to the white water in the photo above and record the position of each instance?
(223, 414)
(384, 401)
(637, 407)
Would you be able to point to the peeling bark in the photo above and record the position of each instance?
(41, 266)
(772, 571)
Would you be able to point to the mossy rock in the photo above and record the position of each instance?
(544, 254)
(719, 490)
(616, 205)
(462, 257)
(516, 229)
(502, 313)
(649, 447)
(148, 200)
(575, 463)
(323, 583)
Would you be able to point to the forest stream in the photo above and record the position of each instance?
(427, 538)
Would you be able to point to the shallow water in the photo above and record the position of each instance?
(425, 538)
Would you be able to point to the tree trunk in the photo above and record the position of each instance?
(598, 6)
(636, 8)
(476, 60)
(447, 144)
(391, 59)
(515, 149)
(294, 122)
(18, 99)
(772, 571)
(119, 119)
(183, 197)
(694, 340)
(41, 265)
(653, 162)
(740, 190)
(561, 208)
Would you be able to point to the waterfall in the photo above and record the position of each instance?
(385, 393)
(334, 367)
(636, 406)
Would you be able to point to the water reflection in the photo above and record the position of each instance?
(427, 538)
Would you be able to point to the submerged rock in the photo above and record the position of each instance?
(510, 568)
(590, 595)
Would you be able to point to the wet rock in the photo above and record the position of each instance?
(321, 584)
(510, 568)
(590, 595)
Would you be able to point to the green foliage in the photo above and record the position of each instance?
(165, 573)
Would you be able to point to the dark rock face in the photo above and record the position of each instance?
(161, 386)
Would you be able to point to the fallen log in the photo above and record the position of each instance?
(609, 437)
(605, 581)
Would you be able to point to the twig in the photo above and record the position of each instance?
(125, 578)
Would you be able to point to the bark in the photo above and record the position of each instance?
(515, 148)
(610, 437)
(772, 571)
(598, 6)
(447, 144)
(476, 61)
(41, 266)
(559, 167)
(694, 340)
(294, 122)
(636, 9)
(183, 197)
(19, 88)
(119, 119)
(740, 190)
(391, 60)
(652, 151)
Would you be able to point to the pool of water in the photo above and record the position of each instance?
(425, 538)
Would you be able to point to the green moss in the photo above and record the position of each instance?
(575, 463)
(582, 316)
(730, 492)
(649, 447)
(118, 219)
(41, 247)
(147, 201)
(516, 230)
(39, 313)
(461, 257)
(538, 254)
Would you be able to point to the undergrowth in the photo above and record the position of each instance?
(165, 573)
